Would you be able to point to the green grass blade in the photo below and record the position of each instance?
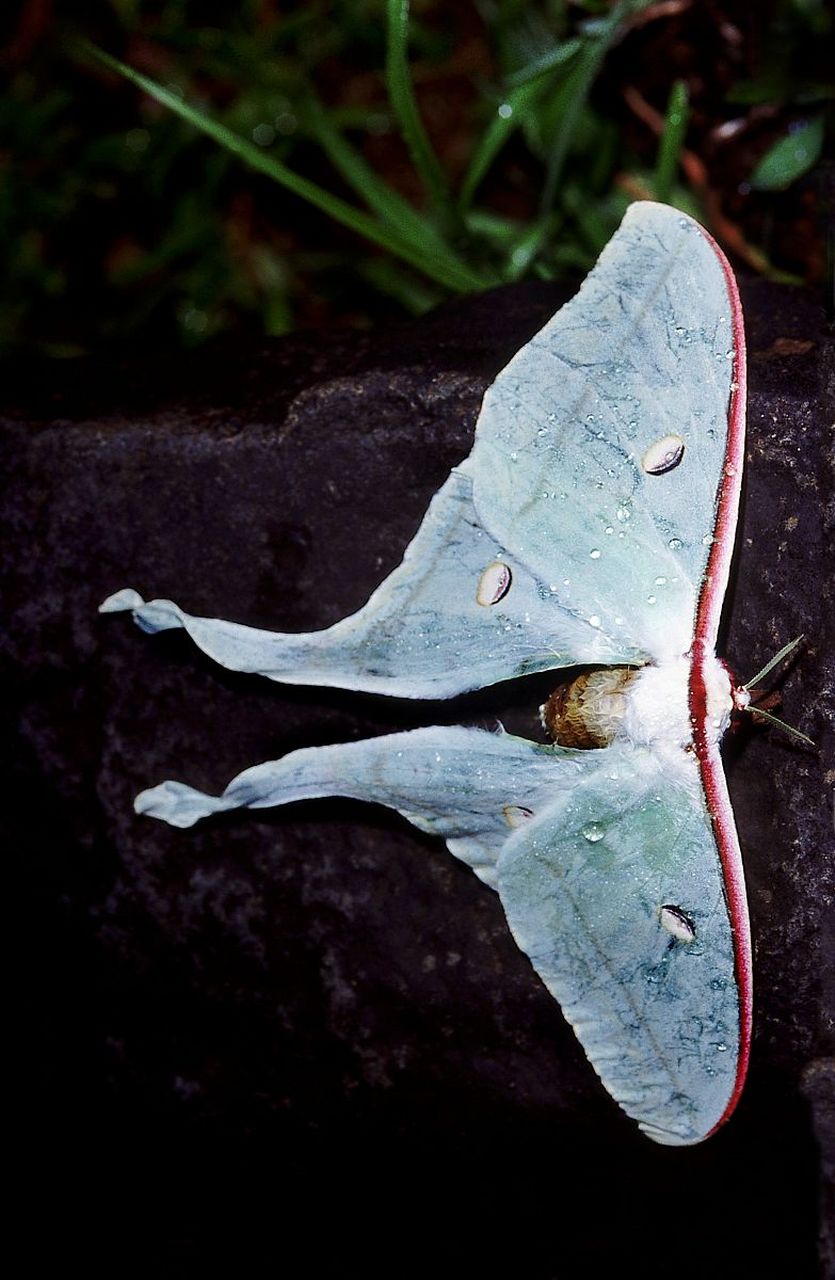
(453, 275)
(672, 140)
(507, 119)
(593, 231)
(381, 199)
(576, 91)
(555, 57)
(527, 248)
(790, 157)
(404, 105)
(497, 230)
(388, 277)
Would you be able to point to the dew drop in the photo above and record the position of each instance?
(707, 539)
(595, 554)
(494, 583)
(137, 139)
(651, 599)
(721, 1048)
(623, 513)
(593, 831)
(263, 134)
(594, 620)
(660, 581)
(608, 529)
(504, 111)
(674, 544)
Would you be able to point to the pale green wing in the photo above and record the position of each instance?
(469, 786)
(565, 537)
(602, 891)
(574, 465)
(431, 630)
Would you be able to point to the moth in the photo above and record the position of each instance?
(592, 524)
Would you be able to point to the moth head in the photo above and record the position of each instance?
(720, 691)
(759, 702)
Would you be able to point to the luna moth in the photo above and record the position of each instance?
(592, 524)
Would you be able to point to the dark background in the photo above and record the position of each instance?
(305, 1042)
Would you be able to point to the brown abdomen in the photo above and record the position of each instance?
(588, 711)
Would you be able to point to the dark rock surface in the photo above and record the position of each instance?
(308, 1033)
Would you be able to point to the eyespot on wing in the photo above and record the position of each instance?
(663, 455)
(494, 583)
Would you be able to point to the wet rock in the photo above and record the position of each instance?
(317, 1014)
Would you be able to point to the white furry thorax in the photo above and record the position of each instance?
(658, 703)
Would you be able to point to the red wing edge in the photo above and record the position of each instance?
(708, 615)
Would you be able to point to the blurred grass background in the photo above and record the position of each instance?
(370, 158)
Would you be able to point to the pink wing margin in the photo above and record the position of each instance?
(708, 614)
